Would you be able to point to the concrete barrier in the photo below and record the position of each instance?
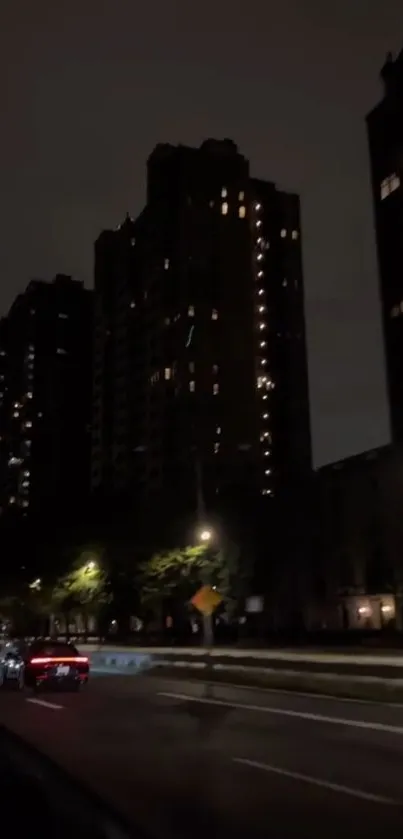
(114, 661)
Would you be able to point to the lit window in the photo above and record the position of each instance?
(241, 196)
(263, 361)
(214, 315)
(216, 448)
(259, 223)
(25, 484)
(215, 369)
(61, 351)
(26, 473)
(28, 424)
(389, 185)
(242, 211)
(224, 208)
(266, 492)
(63, 315)
(211, 203)
(261, 291)
(283, 233)
(132, 242)
(284, 283)
(294, 234)
(224, 192)
(191, 366)
(218, 430)
(31, 355)
(260, 381)
(192, 387)
(259, 257)
(25, 503)
(32, 311)
(260, 274)
(258, 206)
(12, 499)
(216, 388)
(265, 435)
(267, 471)
(266, 453)
(262, 325)
(40, 414)
(262, 308)
(167, 373)
(191, 311)
(166, 264)
(265, 416)
(132, 305)
(16, 414)
(264, 396)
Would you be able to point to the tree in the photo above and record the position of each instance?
(82, 591)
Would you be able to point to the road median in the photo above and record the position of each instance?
(368, 688)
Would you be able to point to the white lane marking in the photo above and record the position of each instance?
(290, 692)
(46, 704)
(318, 782)
(373, 726)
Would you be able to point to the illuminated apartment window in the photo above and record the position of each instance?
(12, 499)
(260, 274)
(224, 209)
(263, 361)
(215, 369)
(216, 388)
(389, 185)
(266, 492)
(261, 291)
(166, 264)
(265, 416)
(262, 325)
(260, 381)
(294, 234)
(258, 206)
(29, 394)
(283, 233)
(266, 453)
(167, 373)
(16, 414)
(262, 308)
(218, 430)
(242, 211)
(224, 192)
(61, 351)
(132, 242)
(214, 315)
(259, 258)
(63, 315)
(191, 366)
(28, 424)
(25, 503)
(191, 311)
(32, 311)
(241, 196)
(132, 305)
(216, 448)
(284, 283)
(267, 471)
(192, 387)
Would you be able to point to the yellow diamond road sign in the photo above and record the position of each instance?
(206, 600)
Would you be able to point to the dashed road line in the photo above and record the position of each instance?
(45, 704)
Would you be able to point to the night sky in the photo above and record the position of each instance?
(88, 88)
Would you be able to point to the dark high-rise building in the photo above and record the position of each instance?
(200, 376)
(385, 132)
(46, 398)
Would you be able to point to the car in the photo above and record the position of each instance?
(53, 664)
(11, 667)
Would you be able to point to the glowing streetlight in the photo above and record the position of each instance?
(35, 585)
(205, 535)
(91, 565)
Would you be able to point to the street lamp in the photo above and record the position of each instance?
(35, 586)
(205, 535)
(91, 565)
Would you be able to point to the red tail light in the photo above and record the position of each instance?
(53, 660)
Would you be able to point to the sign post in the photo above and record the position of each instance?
(206, 601)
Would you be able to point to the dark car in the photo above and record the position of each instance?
(45, 664)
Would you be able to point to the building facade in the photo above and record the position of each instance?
(46, 399)
(385, 133)
(200, 352)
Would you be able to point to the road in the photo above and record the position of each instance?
(238, 762)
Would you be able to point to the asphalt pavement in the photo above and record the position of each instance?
(182, 761)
